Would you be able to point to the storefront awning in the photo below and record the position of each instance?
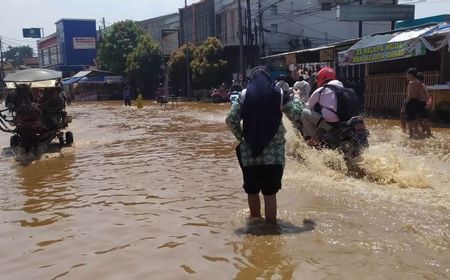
(86, 77)
(437, 38)
(383, 47)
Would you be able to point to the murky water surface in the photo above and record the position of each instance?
(156, 194)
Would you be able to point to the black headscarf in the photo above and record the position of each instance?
(261, 111)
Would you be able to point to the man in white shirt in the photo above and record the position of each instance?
(320, 110)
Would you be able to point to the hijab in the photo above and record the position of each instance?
(261, 111)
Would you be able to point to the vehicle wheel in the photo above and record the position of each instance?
(14, 141)
(69, 138)
(349, 149)
(216, 99)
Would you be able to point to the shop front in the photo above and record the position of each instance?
(386, 57)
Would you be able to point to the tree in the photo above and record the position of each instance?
(177, 68)
(118, 42)
(144, 64)
(208, 66)
(17, 54)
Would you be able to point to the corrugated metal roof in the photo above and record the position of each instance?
(329, 46)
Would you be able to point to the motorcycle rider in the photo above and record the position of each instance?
(319, 112)
(282, 84)
(303, 88)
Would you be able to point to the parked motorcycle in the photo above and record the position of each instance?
(350, 137)
(220, 95)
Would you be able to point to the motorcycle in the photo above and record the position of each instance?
(350, 137)
(220, 95)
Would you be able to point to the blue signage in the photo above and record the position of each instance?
(31, 32)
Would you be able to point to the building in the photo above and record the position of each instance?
(165, 30)
(71, 48)
(291, 25)
(273, 26)
(197, 22)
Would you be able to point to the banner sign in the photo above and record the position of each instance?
(31, 32)
(389, 51)
(83, 43)
(375, 12)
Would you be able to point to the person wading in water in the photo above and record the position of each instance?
(261, 151)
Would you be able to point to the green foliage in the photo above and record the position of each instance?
(144, 64)
(208, 66)
(118, 42)
(177, 68)
(17, 54)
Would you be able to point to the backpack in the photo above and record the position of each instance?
(346, 100)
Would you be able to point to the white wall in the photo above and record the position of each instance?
(298, 19)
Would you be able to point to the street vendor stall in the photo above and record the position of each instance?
(387, 56)
(94, 85)
(440, 104)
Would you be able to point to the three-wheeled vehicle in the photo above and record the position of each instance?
(35, 109)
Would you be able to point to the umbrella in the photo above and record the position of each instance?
(37, 77)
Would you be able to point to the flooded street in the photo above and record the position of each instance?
(157, 193)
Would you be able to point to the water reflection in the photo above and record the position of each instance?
(46, 185)
(258, 227)
(263, 249)
(263, 256)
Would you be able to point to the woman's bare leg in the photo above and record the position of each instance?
(270, 209)
(254, 204)
(413, 129)
(425, 124)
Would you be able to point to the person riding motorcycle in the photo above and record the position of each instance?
(319, 112)
(282, 84)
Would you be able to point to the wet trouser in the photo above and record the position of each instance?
(312, 121)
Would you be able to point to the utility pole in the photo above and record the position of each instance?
(2, 73)
(104, 24)
(241, 49)
(249, 24)
(256, 32)
(187, 52)
(360, 23)
(395, 2)
(261, 36)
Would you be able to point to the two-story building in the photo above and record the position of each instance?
(71, 48)
(165, 30)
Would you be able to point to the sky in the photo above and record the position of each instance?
(18, 14)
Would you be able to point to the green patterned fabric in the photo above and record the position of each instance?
(273, 154)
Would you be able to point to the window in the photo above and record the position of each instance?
(274, 10)
(274, 28)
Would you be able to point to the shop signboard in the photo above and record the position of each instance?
(375, 12)
(389, 51)
(83, 43)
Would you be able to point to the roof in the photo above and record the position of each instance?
(376, 40)
(87, 76)
(91, 73)
(392, 45)
(74, 19)
(421, 21)
(329, 46)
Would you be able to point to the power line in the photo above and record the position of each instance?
(11, 43)
(309, 28)
(17, 40)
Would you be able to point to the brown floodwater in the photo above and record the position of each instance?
(155, 193)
